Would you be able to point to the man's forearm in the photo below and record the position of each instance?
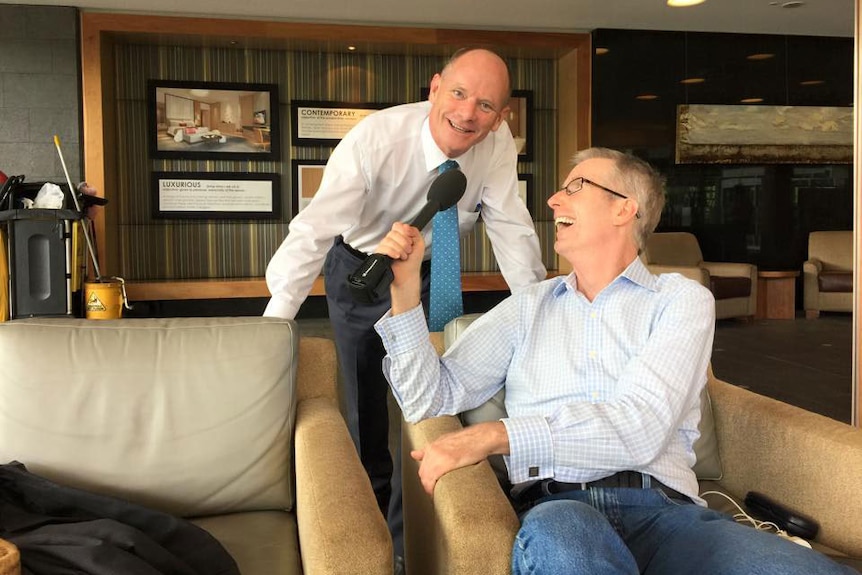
(406, 295)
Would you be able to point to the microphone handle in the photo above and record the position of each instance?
(371, 278)
(425, 215)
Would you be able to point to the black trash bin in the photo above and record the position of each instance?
(40, 258)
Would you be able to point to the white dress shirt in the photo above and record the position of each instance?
(592, 388)
(380, 173)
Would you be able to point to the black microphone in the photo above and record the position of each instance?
(374, 275)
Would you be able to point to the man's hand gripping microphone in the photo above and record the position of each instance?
(372, 278)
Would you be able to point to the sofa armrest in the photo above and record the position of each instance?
(731, 269)
(10, 559)
(813, 265)
(341, 529)
(807, 461)
(468, 526)
(696, 273)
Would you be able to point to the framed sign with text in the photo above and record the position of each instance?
(325, 123)
(215, 195)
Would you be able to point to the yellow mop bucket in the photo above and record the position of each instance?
(104, 299)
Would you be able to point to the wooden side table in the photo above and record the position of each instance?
(776, 294)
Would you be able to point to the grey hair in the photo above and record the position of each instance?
(636, 179)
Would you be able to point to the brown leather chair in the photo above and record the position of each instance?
(734, 285)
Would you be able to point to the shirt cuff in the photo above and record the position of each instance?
(531, 449)
(404, 331)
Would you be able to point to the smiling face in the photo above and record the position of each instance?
(590, 220)
(468, 101)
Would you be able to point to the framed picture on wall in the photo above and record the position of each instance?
(525, 190)
(519, 118)
(307, 175)
(216, 195)
(325, 123)
(213, 120)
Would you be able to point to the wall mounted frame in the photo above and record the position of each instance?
(215, 195)
(316, 123)
(722, 134)
(525, 190)
(212, 120)
(306, 178)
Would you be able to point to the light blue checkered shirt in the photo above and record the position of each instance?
(592, 388)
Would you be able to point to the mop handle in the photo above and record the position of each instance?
(78, 208)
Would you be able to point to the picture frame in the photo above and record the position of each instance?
(525, 190)
(213, 120)
(319, 123)
(519, 119)
(215, 195)
(306, 178)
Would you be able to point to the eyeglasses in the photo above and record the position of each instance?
(574, 186)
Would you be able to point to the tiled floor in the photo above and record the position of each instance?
(802, 362)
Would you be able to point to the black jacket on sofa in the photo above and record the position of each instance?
(62, 530)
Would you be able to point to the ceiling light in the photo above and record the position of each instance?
(793, 4)
(693, 81)
(351, 48)
(646, 97)
(751, 100)
(684, 3)
(601, 51)
(763, 56)
(812, 82)
(199, 93)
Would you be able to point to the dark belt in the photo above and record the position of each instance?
(622, 479)
(426, 265)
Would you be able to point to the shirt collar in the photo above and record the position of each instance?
(636, 272)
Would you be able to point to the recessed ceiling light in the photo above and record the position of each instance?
(684, 3)
(812, 82)
(792, 4)
(751, 100)
(601, 51)
(763, 56)
(693, 81)
(351, 48)
(646, 97)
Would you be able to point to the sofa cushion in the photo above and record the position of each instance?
(248, 537)
(841, 282)
(725, 287)
(707, 466)
(193, 416)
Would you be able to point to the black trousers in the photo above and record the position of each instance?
(364, 388)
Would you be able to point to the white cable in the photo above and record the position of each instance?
(743, 517)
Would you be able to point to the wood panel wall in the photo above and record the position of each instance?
(116, 46)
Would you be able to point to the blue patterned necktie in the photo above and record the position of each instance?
(446, 301)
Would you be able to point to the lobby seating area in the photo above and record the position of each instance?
(828, 273)
(734, 285)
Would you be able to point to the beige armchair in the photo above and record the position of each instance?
(734, 285)
(827, 283)
(748, 443)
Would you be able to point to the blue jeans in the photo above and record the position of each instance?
(631, 531)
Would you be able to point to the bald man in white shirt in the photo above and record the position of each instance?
(378, 174)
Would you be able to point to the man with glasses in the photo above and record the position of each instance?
(603, 371)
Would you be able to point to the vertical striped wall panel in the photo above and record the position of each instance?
(154, 248)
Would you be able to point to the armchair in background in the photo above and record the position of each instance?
(734, 285)
(827, 274)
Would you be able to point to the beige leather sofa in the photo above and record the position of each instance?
(809, 462)
(734, 285)
(827, 274)
(231, 422)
